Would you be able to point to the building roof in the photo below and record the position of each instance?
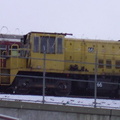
(54, 33)
(10, 37)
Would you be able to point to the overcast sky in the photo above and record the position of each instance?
(98, 19)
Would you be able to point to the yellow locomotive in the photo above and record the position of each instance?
(67, 65)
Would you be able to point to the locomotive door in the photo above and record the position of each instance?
(14, 50)
(3, 59)
(2, 62)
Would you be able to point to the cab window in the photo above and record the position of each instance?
(50, 44)
(2, 48)
(36, 44)
(47, 44)
(59, 46)
(43, 46)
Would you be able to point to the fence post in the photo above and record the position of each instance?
(44, 71)
(95, 83)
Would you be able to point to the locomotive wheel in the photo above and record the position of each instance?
(23, 91)
(63, 88)
(21, 86)
(16, 90)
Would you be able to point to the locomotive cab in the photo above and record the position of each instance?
(38, 44)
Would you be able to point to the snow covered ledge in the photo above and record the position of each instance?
(33, 111)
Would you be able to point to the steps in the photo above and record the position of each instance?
(4, 76)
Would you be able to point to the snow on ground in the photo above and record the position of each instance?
(82, 102)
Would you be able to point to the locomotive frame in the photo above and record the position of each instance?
(68, 65)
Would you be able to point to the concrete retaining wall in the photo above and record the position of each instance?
(35, 111)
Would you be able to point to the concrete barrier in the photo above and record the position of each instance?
(36, 111)
(5, 117)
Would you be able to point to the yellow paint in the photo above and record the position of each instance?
(81, 52)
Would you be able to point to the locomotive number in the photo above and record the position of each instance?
(90, 49)
(99, 84)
